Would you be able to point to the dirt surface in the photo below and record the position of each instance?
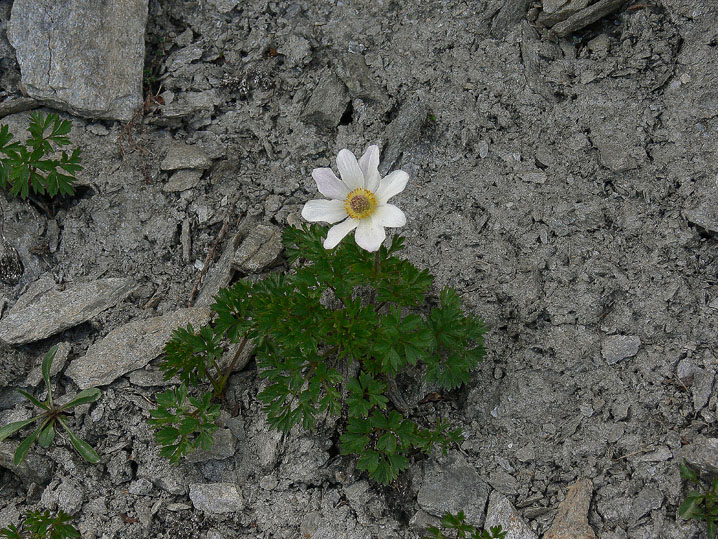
(564, 186)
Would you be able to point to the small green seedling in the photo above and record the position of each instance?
(39, 525)
(462, 530)
(31, 165)
(45, 433)
(700, 504)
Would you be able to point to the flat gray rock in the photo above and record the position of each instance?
(702, 388)
(328, 102)
(586, 16)
(453, 485)
(259, 250)
(223, 447)
(181, 155)
(82, 56)
(31, 470)
(403, 131)
(216, 497)
(182, 180)
(501, 513)
(40, 315)
(553, 12)
(355, 74)
(702, 453)
(705, 215)
(616, 348)
(131, 347)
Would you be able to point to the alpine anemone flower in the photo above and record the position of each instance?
(357, 201)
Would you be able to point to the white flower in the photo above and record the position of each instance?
(358, 200)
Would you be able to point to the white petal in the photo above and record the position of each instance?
(392, 185)
(330, 211)
(369, 165)
(370, 234)
(349, 170)
(389, 215)
(329, 185)
(337, 232)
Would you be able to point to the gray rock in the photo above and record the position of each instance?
(224, 6)
(554, 12)
(533, 177)
(216, 497)
(403, 131)
(571, 520)
(509, 16)
(18, 104)
(41, 315)
(702, 388)
(224, 446)
(151, 378)
(181, 155)
(702, 453)
(586, 16)
(182, 180)
(501, 513)
(31, 470)
(67, 496)
(355, 74)
(297, 50)
(259, 250)
(648, 499)
(504, 482)
(188, 104)
(58, 362)
(453, 485)
(131, 347)
(82, 56)
(705, 215)
(11, 268)
(618, 347)
(244, 356)
(140, 487)
(328, 102)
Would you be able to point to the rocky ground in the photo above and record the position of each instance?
(565, 181)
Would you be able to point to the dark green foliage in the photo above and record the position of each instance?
(340, 307)
(184, 424)
(39, 525)
(462, 530)
(52, 414)
(34, 163)
(701, 504)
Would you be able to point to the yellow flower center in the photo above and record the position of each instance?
(360, 203)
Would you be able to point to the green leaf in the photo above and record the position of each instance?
(15, 426)
(83, 397)
(690, 506)
(82, 447)
(32, 399)
(24, 446)
(47, 364)
(47, 435)
(167, 435)
(688, 473)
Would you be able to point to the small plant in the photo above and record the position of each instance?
(347, 306)
(45, 433)
(30, 165)
(462, 530)
(39, 525)
(700, 504)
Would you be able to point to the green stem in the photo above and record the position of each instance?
(228, 371)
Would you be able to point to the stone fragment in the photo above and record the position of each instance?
(31, 470)
(355, 74)
(131, 347)
(571, 520)
(82, 56)
(586, 16)
(403, 131)
(453, 485)
(223, 447)
(140, 487)
(553, 12)
(619, 347)
(259, 250)
(11, 268)
(704, 215)
(58, 362)
(530, 47)
(701, 388)
(501, 513)
(182, 180)
(244, 355)
(509, 16)
(181, 156)
(150, 378)
(297, 50)
(648, 499)
(328, 102)
(224, 6)
(18, 104)
(188, 104)
(702, 453)
(67, 496)
(533, 177)
(216, 497)
(45, 314)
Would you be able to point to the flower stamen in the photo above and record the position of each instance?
(360, 203)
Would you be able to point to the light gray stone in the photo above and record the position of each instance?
(453, 485)
(619, 347)
(403, 131)
(504, 482)
(554, 12)
(259, 250)
(131, 347)
(216, 498)
(586, 16)
(183, 156)
(355, 74)
(151, 378)
(67, 496)
(702, 453)
(245, 355)
(705, 215)
(328, 102)
(182, 180)
(44, 314)
(509, 16)
(11, 268)
(82, 56)
(31, 470)
(224, 6)
(224, 446)
(648, 499)
(140, 487)
(701, 388)
(501, 513)
(58, 362)
(188, 104)
(18, 104)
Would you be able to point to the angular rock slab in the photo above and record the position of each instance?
(82, 56)
(131, 347)
(216, 497)
(501, 513)
(37, 316)
(571, 521)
